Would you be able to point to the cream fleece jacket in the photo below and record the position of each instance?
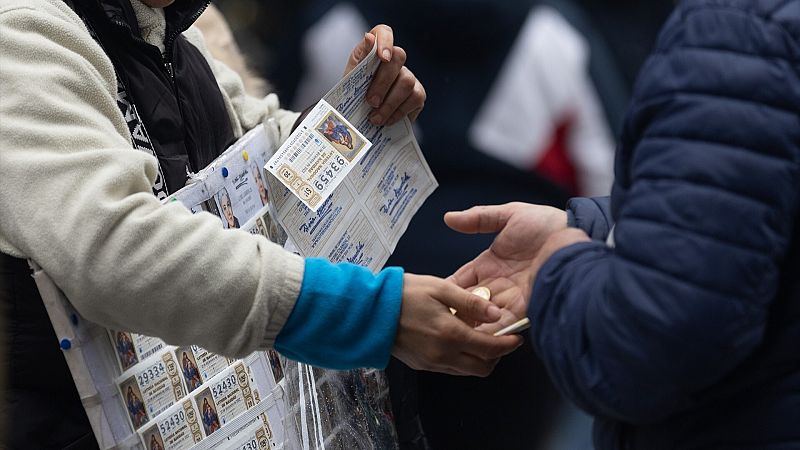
(76, 198)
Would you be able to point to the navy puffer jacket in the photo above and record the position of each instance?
(682, 331)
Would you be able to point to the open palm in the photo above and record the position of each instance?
(507, 267)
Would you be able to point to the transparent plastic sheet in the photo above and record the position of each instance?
(331, 409)
(347, 409)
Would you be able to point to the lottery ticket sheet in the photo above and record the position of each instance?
(370, 209)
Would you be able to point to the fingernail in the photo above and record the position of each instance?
(376, 119)
(493, 312)
(387, 55)
(375, 101)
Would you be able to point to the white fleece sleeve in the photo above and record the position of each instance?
(76, 198)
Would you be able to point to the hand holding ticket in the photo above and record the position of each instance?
(318, 155)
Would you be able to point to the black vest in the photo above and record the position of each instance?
(181, 107)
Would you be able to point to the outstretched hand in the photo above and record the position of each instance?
(509, 265)
(430, 337)
(394, 92)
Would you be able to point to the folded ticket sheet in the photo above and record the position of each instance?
(383, 186)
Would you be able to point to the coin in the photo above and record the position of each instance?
(483, 292)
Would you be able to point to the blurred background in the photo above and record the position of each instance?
(525, 99)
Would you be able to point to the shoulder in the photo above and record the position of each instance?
(756, 27)
(704, 40)
(47, 33)
(54, 11)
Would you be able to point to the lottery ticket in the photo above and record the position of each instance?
(150, 387)
(318, 155)
(224, 397)
(131, 348)
(177, 428)
(198, 365)
(255, 435)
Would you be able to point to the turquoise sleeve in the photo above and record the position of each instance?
(345, 316)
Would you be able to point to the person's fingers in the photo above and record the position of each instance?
(507, 319)
(411, 101)
(468, 305)
(385, 78)
(402, 88)
(466, 275)
(385, 37)
(488, 347)
(412, 116)
(360, 52)
(480, 219)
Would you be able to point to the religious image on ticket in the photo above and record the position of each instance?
(133, 402)
(191, 374)
(132, 348)
(343, 137)
(153, 440)
(208, 411)
(275, 364)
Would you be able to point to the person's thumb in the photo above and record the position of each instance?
(479, 219)
(469, 306)
(360, 52)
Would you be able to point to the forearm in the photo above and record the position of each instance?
(345, 317)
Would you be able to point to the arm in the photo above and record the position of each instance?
(592, 215)
(710, 180)
(347, 317)
(76, 199)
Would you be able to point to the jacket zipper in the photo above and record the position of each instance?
(169, 44)
(166, 58)
(170, 40)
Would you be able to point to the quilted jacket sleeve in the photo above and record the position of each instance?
(705, 202)
(592, 215)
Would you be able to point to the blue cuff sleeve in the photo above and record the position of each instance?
(345, 317)
(592, 215)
